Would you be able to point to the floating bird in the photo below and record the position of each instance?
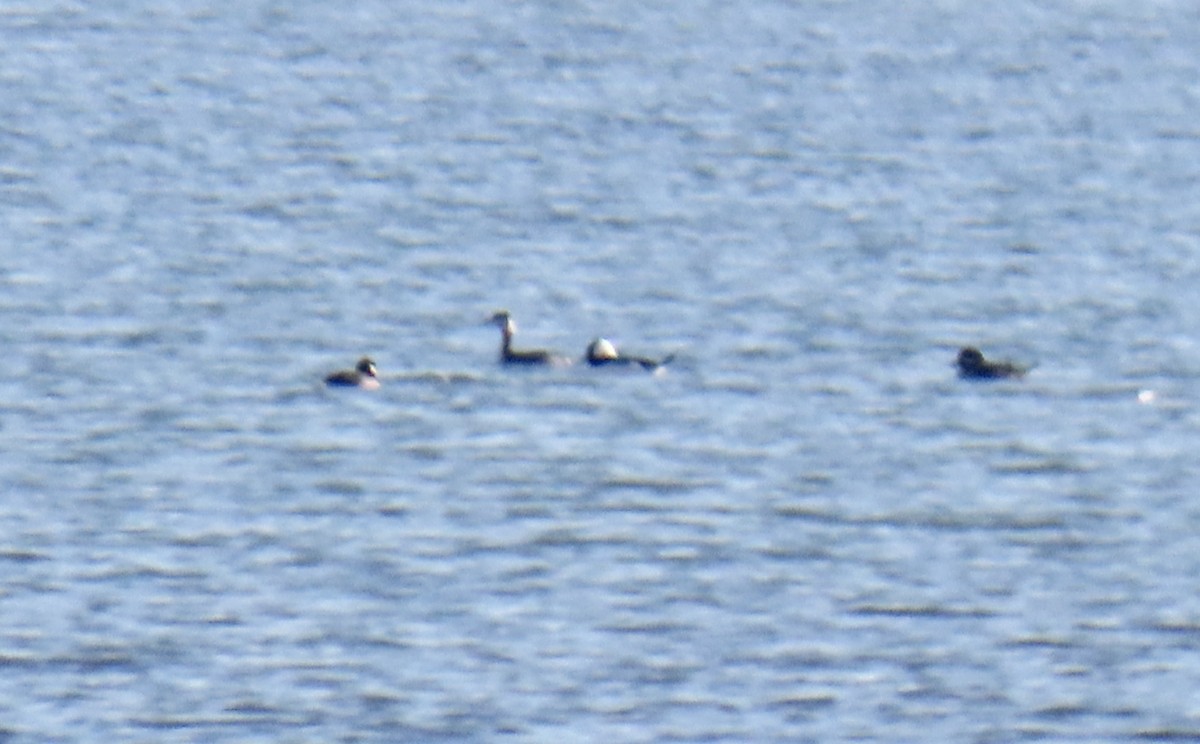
(362, 376)
(508, 355)
(972, 366)
(601, 352)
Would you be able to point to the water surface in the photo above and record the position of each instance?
(807, 530)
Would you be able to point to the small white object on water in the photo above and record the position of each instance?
(1146, 397)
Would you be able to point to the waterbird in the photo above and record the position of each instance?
(601, 352)
(502, 319)
(973, 366)
(364, 375)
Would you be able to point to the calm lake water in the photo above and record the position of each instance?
(806, 530)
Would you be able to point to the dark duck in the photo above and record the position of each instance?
(602, 353)
(364, 375)
(973, 366)
(529, 357)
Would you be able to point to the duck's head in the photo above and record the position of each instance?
(502, 320)
(970, 359)
(366, 367)
(601, 350)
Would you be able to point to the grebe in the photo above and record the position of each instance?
(363, 376)
(508, 355)
(972, 365)
(601, 352)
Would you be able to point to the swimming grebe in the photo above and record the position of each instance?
(508, 355)
(363, 376)
(972, 365)
(601, 352)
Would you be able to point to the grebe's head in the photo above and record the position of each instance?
(366, 367)
(502, 320)
(601, 350)
(970, 359)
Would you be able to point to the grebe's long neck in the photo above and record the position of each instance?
(506, 336)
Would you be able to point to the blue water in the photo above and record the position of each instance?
(807, 530)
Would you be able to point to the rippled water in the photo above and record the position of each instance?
(807, 530)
